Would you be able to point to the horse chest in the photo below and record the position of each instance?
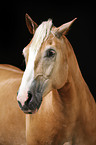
(44, 128)
(44, 133)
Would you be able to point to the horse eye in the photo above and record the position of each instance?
(50, 53)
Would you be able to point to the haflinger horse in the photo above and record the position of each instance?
(58, 104)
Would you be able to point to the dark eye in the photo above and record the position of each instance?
(50, 53)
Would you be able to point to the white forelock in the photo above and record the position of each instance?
(41, 34)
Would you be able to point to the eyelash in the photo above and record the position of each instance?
(50, 53)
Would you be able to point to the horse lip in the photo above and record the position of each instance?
(27, 112)
(31, 111)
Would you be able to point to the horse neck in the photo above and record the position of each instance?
(75, 95)
(81, 90)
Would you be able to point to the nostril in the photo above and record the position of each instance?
(29, 94)
(29, 98)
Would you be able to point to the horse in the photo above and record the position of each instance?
(58, 104)
(12, 119)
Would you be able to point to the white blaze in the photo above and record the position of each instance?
(40, 36)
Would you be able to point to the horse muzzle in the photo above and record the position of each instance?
(34, 96)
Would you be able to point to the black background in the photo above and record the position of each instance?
(15, 36)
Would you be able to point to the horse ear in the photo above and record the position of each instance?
(63, 29)
(31, 25)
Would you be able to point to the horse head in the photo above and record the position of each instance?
(46, 59)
